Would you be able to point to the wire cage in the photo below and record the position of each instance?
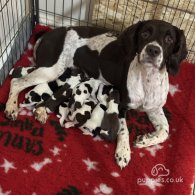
(16, 23)
(17, 19)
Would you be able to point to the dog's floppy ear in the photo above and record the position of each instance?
(179, 53)
(128, 38)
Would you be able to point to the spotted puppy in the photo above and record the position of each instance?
(110, 123)
(78, 117)
(83, 91)
(41, 92)
(83, 101)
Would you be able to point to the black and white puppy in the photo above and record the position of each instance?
(41, 92)
(136, 62)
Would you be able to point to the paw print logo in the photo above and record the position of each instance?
(159, 170)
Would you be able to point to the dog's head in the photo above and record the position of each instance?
(157, 44)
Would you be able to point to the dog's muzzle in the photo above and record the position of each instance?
(152, 51)
(151, 55)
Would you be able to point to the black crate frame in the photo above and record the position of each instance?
(16, 38)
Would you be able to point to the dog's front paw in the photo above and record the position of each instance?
(123, 154)
(11, 110)
(40, 114)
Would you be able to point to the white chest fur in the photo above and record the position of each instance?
(147, 87)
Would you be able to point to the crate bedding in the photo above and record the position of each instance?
(50, 159)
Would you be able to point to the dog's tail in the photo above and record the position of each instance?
(39, 34)
(38, 39)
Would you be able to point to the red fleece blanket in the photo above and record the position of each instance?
(48, 159)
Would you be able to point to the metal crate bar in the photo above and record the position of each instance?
(16, 26)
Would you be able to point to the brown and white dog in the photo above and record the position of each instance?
(136, 62)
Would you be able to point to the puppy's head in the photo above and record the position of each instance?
(157, 44)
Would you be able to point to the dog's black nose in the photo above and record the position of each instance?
(153, 50)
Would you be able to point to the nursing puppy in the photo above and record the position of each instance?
(136, 62)
(43, 91)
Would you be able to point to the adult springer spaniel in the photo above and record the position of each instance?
(136, 62)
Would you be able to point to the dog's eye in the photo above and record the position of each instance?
(145, 35)
(168, 39)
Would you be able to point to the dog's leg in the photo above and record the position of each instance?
(38, 76)
(123, 152)
(63, 113)
(160, 134)
(20, 71)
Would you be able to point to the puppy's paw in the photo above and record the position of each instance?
(11, 110)
(69, 124)
(122, 154)
(40, 114)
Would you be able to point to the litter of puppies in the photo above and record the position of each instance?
(77, 100)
